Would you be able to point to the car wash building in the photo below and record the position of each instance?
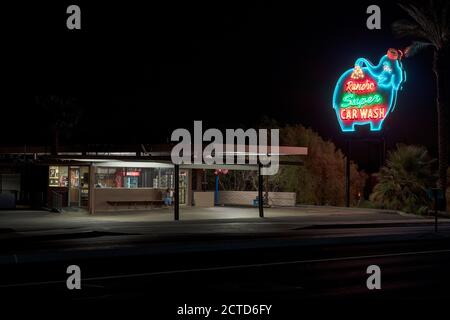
(118, 181)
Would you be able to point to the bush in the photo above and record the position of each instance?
(404, 181)
(321, 180)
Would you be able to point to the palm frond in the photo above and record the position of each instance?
(423, 18)
(445, 21)
(405, 28)
(416, 47)
(429, 22)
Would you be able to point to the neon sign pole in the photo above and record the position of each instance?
(365, 95)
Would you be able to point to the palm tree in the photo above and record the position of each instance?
(430, 26)
(404, 181)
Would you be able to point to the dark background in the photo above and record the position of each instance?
(138, 71)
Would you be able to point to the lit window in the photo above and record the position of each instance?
(58, 176)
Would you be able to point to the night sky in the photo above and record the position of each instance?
(139, 71)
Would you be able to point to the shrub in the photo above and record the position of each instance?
(404, 181)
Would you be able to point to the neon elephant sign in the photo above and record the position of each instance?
(367, 93)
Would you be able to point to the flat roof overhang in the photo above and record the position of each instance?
(147, 151)
(162, 158)
(243, 167)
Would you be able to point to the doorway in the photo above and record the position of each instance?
(78, 186)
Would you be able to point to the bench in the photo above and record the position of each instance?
(135, 203)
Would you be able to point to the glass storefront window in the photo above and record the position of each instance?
(84, 177)
(134, 177)
(84, 182)
(58, 176)
(74, 177)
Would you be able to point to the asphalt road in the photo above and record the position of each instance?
(297, 261)
(293, 268)
(138, 239)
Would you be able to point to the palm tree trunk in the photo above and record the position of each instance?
(441, 67)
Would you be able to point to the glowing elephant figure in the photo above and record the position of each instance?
(367, 93)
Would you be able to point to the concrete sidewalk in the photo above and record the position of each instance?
(49, 222)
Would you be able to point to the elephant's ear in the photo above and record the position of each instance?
(394, 101)
(402, 75)
(403, 72)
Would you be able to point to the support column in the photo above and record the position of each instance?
(189, 188)
(91, 201)
(176, 193)
(260, 193)
(216, 191)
